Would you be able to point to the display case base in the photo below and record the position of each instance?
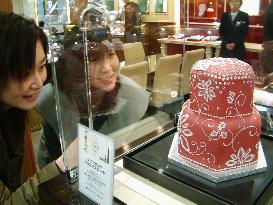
(57, 192)
(151, 162)
(211, 175)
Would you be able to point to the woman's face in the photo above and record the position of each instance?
(23, 94)
(104, 72)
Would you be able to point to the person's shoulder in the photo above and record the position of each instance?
(48, 89)
(46, 96)
(242, 13)
(136, 97)
(225, 16)
(226, 13)
(128, 83)
(131, 88)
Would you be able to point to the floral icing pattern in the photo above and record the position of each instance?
(242, 157)
(219, 132)
(206, 90)
(230, 98)
(184, 131)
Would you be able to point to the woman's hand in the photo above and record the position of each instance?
(72, 156)
(230, 46)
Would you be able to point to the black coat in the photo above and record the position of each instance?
(233, 32)
(268, 23)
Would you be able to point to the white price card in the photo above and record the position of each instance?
(96, 165)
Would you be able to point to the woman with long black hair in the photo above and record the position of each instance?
(23, 49)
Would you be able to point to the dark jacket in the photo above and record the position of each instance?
(11, 189)
(11, 147)
(267, 53)
(268, 23)
(234, 32)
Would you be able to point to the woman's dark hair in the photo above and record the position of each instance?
(133, 4)
(18, 38)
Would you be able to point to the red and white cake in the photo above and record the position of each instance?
(219, 127)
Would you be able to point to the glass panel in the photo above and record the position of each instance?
(75, 58)
(131, 104)
(263, 93)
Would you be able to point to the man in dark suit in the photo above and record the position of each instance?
(233, 31)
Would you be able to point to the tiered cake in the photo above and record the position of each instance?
(219, 128)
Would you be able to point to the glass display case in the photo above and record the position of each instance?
(185, 38)
(90, 89)
(190, 34)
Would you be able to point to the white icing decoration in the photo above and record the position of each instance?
(218, 133)
(228, 68)
(230, 98)
(206, 90)
(242, 157)
(184, 132)
(221, 117)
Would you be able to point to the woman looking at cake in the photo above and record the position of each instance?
(23, 49)
(114, 96)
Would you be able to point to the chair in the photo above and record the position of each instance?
(133, 53)
(138, 72)
(166, 80)
(190, 57)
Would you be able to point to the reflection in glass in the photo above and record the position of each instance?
(143, 6)
(109, 4)
(132, 23)
(120, 108)
(161, 6)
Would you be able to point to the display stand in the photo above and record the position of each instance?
(151, 162)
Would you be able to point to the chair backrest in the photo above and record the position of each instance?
(138, 72)
(166, 80)
(190, 57)
(133, 53)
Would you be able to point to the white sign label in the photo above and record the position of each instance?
(96, 165)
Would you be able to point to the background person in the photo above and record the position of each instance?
(233, 31)
(132, 23)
